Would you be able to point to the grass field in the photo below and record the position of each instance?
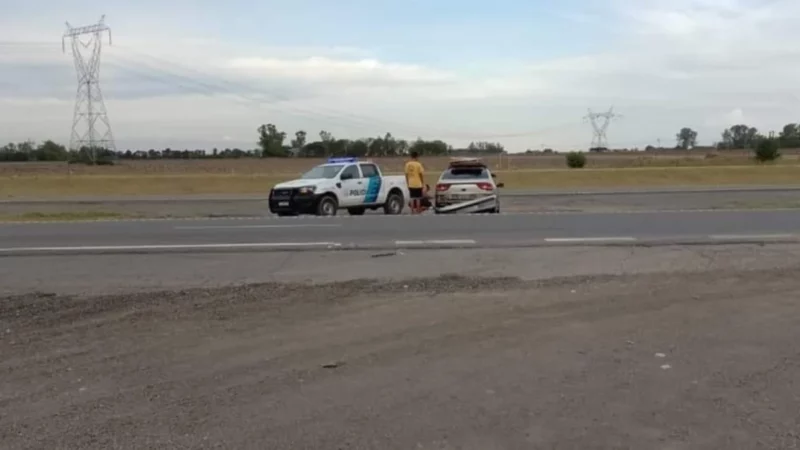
(177, 177)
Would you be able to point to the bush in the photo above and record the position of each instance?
(576, 160)
(768, 150)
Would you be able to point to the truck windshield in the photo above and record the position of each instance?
(326, 171)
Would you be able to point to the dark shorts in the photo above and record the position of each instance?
(415, 193)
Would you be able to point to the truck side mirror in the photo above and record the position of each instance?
(501, 185)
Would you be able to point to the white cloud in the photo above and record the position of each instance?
(328, 69)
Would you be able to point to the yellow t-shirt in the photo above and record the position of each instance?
(414, 173)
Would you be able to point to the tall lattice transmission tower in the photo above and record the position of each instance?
(600, 122)
(90, 126)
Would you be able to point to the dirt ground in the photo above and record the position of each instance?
(663, 361)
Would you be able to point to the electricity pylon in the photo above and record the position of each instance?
(90, 126)
(600, 123)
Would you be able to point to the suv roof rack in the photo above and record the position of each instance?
(466, 162)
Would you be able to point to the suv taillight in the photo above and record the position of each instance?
(442, 187)
(485, 186)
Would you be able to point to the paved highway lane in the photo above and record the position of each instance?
(383, 231)
(514, 201)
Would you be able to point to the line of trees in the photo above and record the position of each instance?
(743, 137)
(272, 143)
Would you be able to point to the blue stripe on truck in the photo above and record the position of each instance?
(373, 189)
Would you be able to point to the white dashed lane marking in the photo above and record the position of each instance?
(591, 239)
(391, 217)
(438, 242)
(245, 227)
(744, 237)
(248, 245)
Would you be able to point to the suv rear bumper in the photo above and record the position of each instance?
(480, 204)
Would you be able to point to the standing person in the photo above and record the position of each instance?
(415, 179)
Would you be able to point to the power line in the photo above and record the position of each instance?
(270, 98)
(192, 80)
(600, 123)
(90, 125)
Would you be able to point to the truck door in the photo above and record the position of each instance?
(374, 182)
(354, 187)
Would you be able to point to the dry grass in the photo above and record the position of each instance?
(182, 184)
(290, 167)
(250, 176)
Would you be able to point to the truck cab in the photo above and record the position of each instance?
(340, 183)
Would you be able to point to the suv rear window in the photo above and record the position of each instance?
(466, 173)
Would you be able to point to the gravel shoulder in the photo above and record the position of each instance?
(660, 360)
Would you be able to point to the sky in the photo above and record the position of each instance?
(203, 74)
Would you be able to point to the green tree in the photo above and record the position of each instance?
(50, 151)
(790, 136)
(299, 140)
(270, 141)
(430, 148)
(740, 136)
(687, 138)
(767, 149)
(486, 147)
(338, 147)
(575, 160)
(358, 148)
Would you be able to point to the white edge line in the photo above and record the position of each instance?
(752, 236)
(223, 227)
(439, 242)
(171, 246)
(592, 239)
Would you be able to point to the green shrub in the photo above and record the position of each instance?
(768, 150)
(576, 160)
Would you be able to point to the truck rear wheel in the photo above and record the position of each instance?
(394, 204)
(327, 206)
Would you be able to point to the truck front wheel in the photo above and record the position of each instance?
(327, 206)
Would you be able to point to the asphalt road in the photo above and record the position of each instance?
(668, 198)
(506, 230)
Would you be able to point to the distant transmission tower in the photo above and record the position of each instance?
(600, 123)
(90, 126)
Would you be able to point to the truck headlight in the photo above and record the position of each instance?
(307, 189)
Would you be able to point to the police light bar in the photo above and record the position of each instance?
(342, 159)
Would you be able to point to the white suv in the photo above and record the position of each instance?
(467, 186)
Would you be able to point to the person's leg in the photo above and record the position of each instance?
(415, 194)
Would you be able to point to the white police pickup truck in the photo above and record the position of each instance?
(341, 183)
